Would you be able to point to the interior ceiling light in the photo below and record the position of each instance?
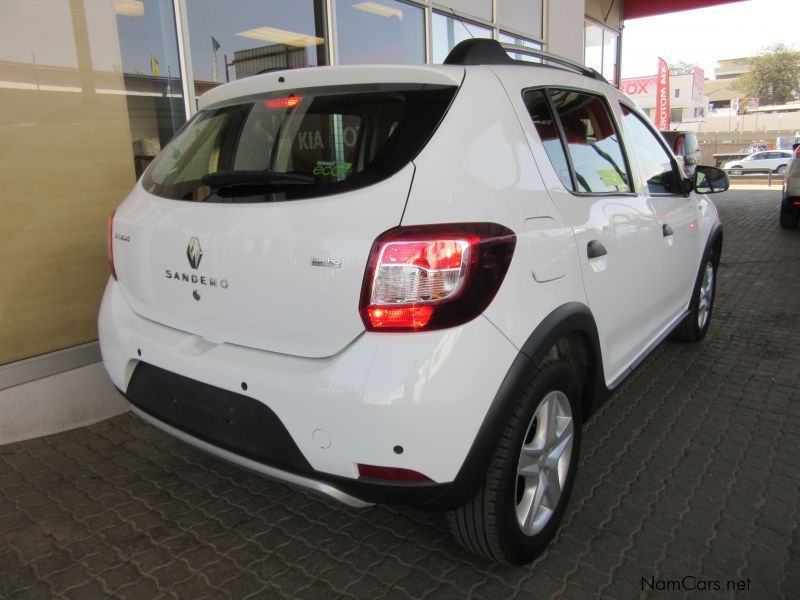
(379, 9)
(129, 8)
(281, 36)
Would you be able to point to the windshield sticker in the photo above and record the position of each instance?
(326, 167)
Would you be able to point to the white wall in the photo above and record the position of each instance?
(57, 403)
(564, 28)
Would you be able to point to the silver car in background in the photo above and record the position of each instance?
(770, 160)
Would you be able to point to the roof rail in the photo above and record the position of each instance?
(480, 51)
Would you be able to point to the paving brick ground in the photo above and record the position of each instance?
(692, 468)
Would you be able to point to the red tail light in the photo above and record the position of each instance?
(427, 277)
(111, 244)
(390, 473)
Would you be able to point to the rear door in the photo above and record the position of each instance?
(615, 230)
(254, 226)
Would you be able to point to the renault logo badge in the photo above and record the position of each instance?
(194, 253)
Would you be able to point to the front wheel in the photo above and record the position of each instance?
(695, 326)
(527, 485)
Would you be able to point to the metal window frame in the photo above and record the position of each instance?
(428, 6)
(187, 74)
(618, 51)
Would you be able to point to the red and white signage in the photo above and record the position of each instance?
(639, 86)
(662, 96)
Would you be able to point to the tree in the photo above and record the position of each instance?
(774, 75)
(681, 68)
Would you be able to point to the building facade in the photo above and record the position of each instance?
(688, 102)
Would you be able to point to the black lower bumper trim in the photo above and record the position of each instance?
(249, 428)
(231, 421)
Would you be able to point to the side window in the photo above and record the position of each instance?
(542, 117)
(653, 159)
(592, 143)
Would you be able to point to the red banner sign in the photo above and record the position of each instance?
(662, 96)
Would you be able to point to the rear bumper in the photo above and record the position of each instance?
(310, 422)
(791, 194)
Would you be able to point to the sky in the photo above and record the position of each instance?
(706, 35)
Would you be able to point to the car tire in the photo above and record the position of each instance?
(788, 220)
(781, 169)
(525, 492)
(736, 170)
(695, 326)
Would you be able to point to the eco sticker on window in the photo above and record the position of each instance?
(325, 167)
(611, 178)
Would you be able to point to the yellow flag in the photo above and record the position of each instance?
(154, 65)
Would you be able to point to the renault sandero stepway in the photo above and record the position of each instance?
(408, 284)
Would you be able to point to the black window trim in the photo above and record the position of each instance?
(673, 161)
(617, 130)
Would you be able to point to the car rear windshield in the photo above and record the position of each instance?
(298, 144)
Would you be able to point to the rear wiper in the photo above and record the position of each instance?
(255, 178)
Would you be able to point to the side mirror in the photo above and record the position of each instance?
(710, 180)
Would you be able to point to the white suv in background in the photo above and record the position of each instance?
(769, 161)
(408, 284)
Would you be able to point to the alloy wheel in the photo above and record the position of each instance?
(544, 462)
(706, 296)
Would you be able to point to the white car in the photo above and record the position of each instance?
(770, 160)
(790, 194)
(408, 284)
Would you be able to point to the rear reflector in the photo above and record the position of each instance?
(390, 473)
(408, 317)
(427, 277)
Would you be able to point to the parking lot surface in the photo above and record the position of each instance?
(689, 476)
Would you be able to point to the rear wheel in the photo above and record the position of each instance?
(695, 326)
(781, 170)
(735, 170)
(524, 495)
(788, 220)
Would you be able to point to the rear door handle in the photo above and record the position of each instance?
(595, 249)
(666, 230)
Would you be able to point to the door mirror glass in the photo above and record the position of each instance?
(710, 180)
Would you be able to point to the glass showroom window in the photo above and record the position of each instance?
(447, 32)
(90, 92)
(232, 40)
(379, 32)
(506, 38)
(600, 50)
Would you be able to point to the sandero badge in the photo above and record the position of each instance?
(194, 253)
